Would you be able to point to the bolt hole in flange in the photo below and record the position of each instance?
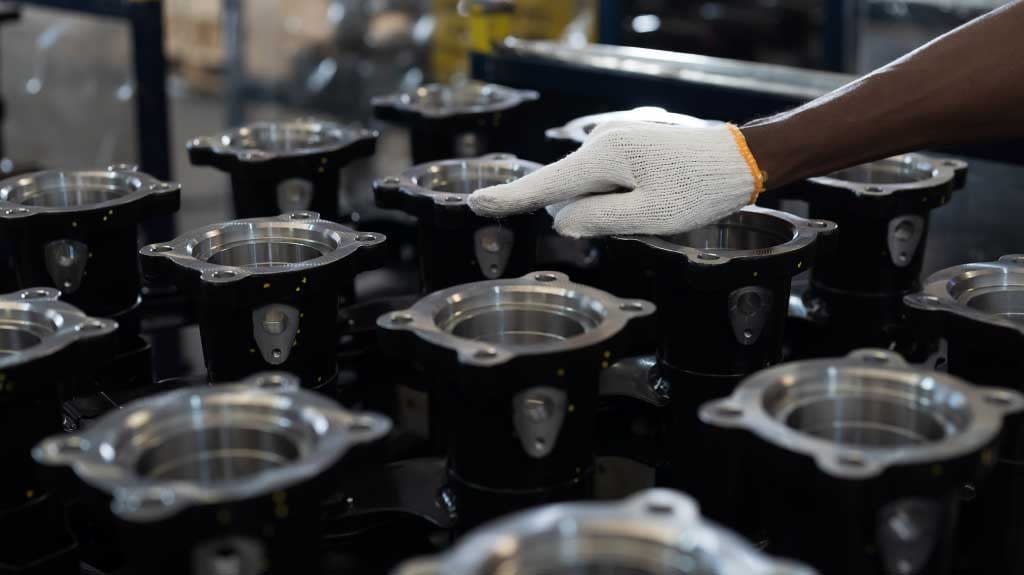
(632, 306)
(999, 399)
(546, 278)
(485, 353)
(91, 326)
(401, 318)
(223, 274)
(161, 249)
(365, 238)
(35, 294)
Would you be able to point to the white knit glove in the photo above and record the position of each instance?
(636, 178)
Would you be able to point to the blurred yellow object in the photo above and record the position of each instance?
(481, 23)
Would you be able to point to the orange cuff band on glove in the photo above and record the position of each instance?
(759, 176)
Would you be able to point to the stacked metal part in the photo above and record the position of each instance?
(855, 297)
(266, 291)
(856, 464)
(224, 479)
(286, 166)
(517, 364)
(45, 344)
(462, 119)
(976, 309)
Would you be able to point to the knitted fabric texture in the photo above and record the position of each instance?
(633, 178)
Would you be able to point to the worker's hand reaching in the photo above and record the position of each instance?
(636, 178)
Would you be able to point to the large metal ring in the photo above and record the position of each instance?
(210, 446)
(450, 182)
(265, 141)
(654, 531)
(860, 415)
(435, 101)
(578, 129)
(73, 192)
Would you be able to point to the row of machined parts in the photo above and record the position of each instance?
(847, 460)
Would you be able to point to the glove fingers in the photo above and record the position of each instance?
(581, 172)
(606, 214)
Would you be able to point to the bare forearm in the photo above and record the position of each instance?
(965, 86)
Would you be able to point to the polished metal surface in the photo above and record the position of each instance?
(752, 232)
(34, 324)
(859, 415)
(989, 292)
(490, 322)
(450, 182)
(456, 98)
(65, 191)
(577, 130)
(895, 174)
(262, 141)
(262, 246)
(655, 532)
(733, 74)
(210, 445)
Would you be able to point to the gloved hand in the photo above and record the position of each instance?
(675, 178)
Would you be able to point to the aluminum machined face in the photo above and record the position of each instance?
(34, 325)
(449, 182)
(70, 192)
(265, 141)
(578, 129)
(750, 234)
(896, 174)
(210, 446)
(990, 293)
(489, 323)
(232, 251)
(657, 532)
(860, 415)
(435, 101)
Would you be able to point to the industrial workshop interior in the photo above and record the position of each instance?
(512, 287)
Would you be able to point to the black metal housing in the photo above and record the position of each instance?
(518, 421)
(78, 232)
(459, 120)
(278, 167)
(227, 298)
(454, 245)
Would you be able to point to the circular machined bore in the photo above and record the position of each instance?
(504, 315)
(22, 329)
(867, 412)
(1005, 302)
(254, 246)
(213, 454)
(888, 171)
(738, 232)
(467, 177)
(277, 138)
(438, 96)
(594, 555)
(70, 189)
(13, 340)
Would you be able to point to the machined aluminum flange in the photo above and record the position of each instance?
(866, 441)
(654, 531)
(210, 446)
(455, 245)
(577, 130)
(490, 323)
(455, 99)
(860, 415)
(463, 119)
(35, 325)
(267, 290)
(75, 230)
(286, 165)
(202, 477)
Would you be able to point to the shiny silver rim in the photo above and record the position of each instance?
(859, 415)
(491, 322)
(234, 250)
(449, 182)
(750, 233)
(66, 191)
(34, 325)
(895, 174)
(263, 141)
(445, 100)
(577, 130)
(989, 292)
(210, 445)
(655, 531)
